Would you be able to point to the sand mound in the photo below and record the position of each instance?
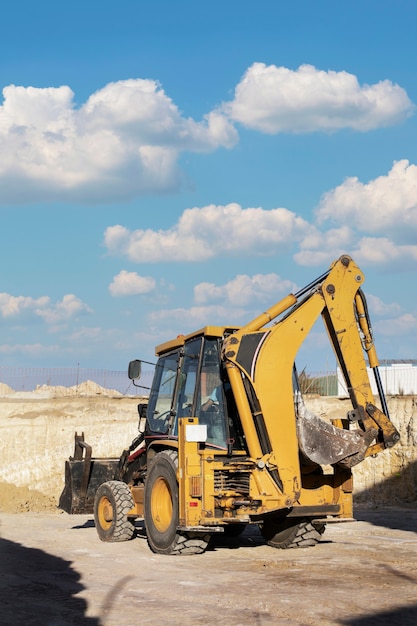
(22, 500)
(5, 390)
(87, 388)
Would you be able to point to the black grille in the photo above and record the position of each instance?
(237, 481)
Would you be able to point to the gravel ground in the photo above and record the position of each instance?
(55, 571)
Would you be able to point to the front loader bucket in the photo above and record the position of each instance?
(83, 476)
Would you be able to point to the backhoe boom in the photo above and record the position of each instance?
(260, 358)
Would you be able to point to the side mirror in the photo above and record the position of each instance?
(135, 369)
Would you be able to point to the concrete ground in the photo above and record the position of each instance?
(55, 572)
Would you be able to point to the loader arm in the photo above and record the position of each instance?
(260, 359)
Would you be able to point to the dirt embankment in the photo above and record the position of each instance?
(37, 436)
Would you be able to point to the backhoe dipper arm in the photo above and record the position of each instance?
(260, 360)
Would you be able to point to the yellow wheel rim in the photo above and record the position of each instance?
(161, 505)
(105, 513)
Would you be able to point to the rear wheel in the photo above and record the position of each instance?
(291, 533)
(112, 502)
(161, 510)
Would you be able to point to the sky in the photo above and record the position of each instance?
(166, 166)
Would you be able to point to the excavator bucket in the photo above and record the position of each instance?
(325, 444)
(83, 476)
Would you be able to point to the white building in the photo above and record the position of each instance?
(397, 377)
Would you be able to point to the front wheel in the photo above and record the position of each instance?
(112, 502)
(162, 510)
(291, 533)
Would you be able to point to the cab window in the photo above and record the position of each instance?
(211, 401)
(162, 392)
(184, 404)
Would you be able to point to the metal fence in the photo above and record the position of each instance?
(31, 378)
(397, 379)
(320, 383)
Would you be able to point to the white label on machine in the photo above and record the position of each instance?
(196, 433)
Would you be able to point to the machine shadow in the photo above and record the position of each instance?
(38, 588)
(391, 503)
(250, 537)
(397, 519)
(401, 616)
(87, 524)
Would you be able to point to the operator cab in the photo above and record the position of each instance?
(190, 381)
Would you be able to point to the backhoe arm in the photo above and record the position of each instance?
(260, 359)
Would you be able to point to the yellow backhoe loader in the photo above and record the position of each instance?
(226, 440)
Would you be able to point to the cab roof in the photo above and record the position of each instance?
(207, 331)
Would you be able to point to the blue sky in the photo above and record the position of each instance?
(170, 165)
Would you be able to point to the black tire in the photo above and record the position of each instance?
(112, 502)
(291, 533)
(162, 511)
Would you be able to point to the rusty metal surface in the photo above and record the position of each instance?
(74, 497)
(325, 444)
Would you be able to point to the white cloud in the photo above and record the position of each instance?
(386, 206)
(383, 252)
(126, 139)
(379, 307)
(404, 325)
(123, 141)
(186, 320)
(244, 290)
(33, 349)
(203, 233)
(321, 248)
(131, 284)
(275, 99)
(225, 304)
(377, 251)
(376, 222)
(11, 306)
(387, 203)
(87, 333)
(69, 307)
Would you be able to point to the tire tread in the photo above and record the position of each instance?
(123, 527)
(302, 534)
(185, 542)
